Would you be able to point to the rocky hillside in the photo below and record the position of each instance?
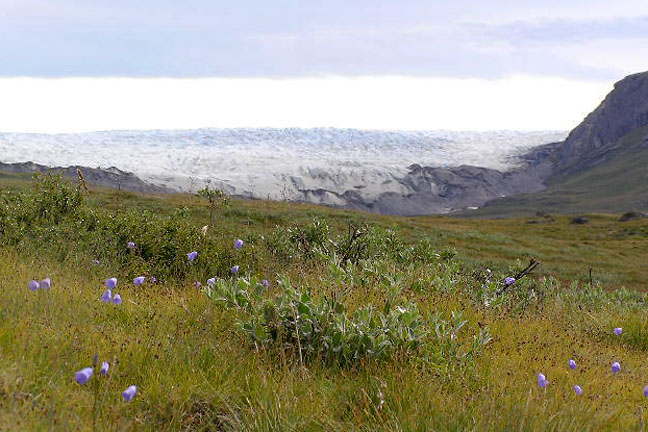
(602, 166)
(596, 139)
(110, 177)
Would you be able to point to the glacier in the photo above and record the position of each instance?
(283, 164)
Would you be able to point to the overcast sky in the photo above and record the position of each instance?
(290, 50)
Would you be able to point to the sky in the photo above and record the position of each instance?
(375, 64)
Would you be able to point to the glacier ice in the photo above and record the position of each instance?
(275, 163)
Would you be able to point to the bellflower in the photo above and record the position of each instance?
(33, 285)
(572, 365)
(129, 393)
(104, 368)
(111, 283)
(46, 283)
(84, 375)
(235, 269)
(578, 390)
(117, 299)
(192, 255)
(238, 244)
(139, 280)
(542, 381)
(106, 297)
(616, 367)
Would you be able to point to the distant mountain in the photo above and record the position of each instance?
(109, 177)
(602, 166)
(599, 137)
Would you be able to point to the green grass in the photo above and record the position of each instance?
(616, 251)
(196, 370)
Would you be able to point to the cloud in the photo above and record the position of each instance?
(291, 38)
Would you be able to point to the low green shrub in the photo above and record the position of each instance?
(318, 329)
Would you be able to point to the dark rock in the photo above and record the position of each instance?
(632, 215)
(580, 220)
(542, 217)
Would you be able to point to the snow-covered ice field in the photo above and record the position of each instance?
(273, 163)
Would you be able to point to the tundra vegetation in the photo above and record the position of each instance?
(292, 317)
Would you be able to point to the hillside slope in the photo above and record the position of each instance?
(318, 319)
(616, 185)
(602, 166)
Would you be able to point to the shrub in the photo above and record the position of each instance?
(53, 218)
(318, 329)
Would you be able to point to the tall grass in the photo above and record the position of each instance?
(469, 363)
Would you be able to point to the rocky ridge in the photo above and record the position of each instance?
(110, 177)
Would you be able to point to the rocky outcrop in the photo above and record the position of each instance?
(624, 109)
(110, 177)
(440, 190)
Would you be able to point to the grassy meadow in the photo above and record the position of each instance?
(367, 323)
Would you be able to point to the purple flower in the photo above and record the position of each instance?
(645, 392)
(130, 245)
(129, 393)
(238, 244)
(235, 269)
(46, 283)
(542, 380)
(616, 367)
(117, 299)
(84, 375)
(106, 296)
(139, 280)
(197, 284)
(153, 279)
(618, 331)
(192, 255)
(509, 280)
(111, 283)
(96, 262)
(211, 281)
(265, 283)
(104, 368)
(33, 285)
(572, 365)
(578, 390)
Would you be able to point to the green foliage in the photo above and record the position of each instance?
(392, 330)
(54, 198)
(54, 217)
(448, 350)
(316, 241)
(319, 329)
(215, 198)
